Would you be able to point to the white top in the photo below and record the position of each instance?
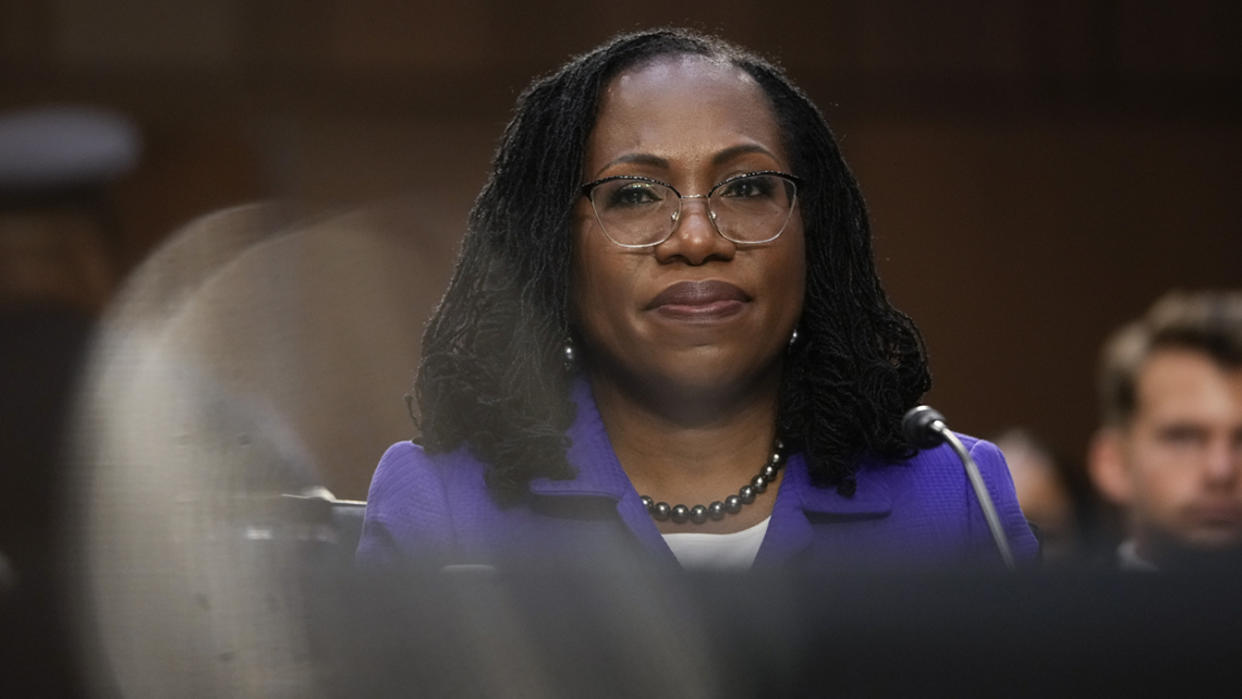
(734, 551)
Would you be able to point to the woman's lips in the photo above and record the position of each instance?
(705, 300)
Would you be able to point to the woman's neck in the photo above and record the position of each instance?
(688, 452)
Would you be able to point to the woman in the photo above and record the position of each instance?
(665, 333)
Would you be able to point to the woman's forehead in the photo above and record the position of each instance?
(682, 105)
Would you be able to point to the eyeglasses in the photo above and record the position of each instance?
(641, 212)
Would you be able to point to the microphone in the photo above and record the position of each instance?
(920, 429)
(924, 428)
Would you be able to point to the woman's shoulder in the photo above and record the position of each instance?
(407, 470)
(936, 475)
(935, 480)
(411, 484)
(415, 498)
(941, 462)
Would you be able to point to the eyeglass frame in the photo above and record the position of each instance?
(588, 189)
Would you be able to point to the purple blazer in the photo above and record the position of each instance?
(435, 510)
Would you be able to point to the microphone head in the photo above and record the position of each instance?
(917, 426)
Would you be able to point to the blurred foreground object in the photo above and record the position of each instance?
(262, 353)
(1170, 449)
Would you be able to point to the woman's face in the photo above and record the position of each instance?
(696, 311)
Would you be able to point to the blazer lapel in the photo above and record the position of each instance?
(599, 474)
(791, 532)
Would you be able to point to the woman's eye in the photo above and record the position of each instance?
(748, 188)
(634, 194)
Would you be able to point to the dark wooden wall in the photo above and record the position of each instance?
(1037, 170)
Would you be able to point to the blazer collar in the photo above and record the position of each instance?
(790, 532)
(599, 473)
(870, 499)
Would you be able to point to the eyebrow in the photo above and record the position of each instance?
(733, 151)
(718, 159)
(637, 159)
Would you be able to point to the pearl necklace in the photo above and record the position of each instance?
(731, 505)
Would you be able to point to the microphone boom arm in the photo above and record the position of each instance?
(981, 492)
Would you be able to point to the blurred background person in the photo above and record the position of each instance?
(1044, 494)
(1169, 452)
(59, 242)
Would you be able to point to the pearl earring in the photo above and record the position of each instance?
(568, 358)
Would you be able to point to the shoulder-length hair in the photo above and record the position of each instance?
(491, 375)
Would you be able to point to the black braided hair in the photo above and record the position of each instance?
(491, 375)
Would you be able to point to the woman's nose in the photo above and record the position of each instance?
(695, 238)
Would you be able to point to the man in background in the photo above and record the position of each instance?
(1169, 453)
